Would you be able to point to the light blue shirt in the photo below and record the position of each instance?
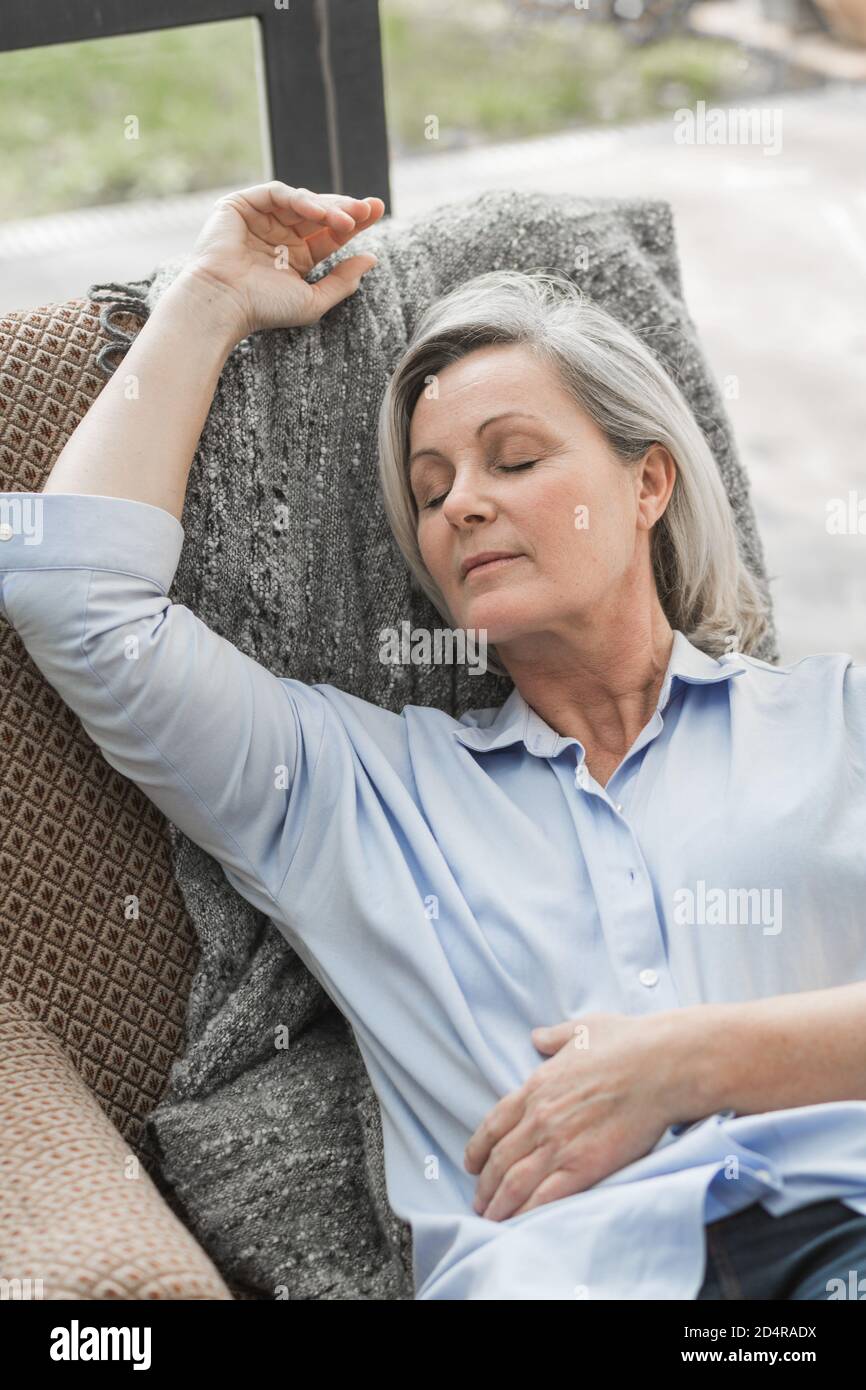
(455, 883)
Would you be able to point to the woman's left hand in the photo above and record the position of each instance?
(603, 1099)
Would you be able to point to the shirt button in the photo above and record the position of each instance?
(618, 806)
(6, 532)
(764, 1174)
(580, 775)
(649, 977)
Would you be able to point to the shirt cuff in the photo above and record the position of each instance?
(64, 530)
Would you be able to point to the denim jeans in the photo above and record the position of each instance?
(755, 1255)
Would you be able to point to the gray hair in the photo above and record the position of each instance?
(703, 584)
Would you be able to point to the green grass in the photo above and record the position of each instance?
(64, 110)
(537, 75)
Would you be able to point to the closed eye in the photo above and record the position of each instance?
(504, 468)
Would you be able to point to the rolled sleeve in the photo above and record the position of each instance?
(62, 531)
(225, 748)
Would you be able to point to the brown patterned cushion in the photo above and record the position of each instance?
(79, 1216)
(77, 840)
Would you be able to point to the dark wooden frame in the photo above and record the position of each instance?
(322, 74)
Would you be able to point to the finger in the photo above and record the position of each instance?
(271, 207)
(500, 1121)
(359, 208)
(549, 1040)
(518, 1145)
(327, 239)
(557, 1032)
(517, 1185)
(551, 1189)
(268, 197)
(340, 282)
(343, 212)
(322, 241)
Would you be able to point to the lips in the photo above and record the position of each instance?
(487, 560)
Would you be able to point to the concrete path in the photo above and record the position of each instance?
(773, 250)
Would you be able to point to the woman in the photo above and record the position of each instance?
(607, 854)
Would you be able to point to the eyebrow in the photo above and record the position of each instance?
(506, 414)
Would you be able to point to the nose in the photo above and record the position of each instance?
(466, 502)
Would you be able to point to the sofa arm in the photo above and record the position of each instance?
(79, 1216)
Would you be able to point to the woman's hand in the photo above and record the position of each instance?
(603, 1099)
(259, 243)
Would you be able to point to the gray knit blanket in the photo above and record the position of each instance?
(273, 1156)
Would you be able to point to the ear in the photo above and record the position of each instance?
(657, 477)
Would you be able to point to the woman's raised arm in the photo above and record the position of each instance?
(246, 272)
(224, 747)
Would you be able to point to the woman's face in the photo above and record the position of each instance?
(502, 459)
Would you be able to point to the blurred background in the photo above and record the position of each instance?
(581, 97)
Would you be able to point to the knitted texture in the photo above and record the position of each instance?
(275, 1155)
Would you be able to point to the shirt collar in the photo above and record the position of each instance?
(516, 721)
